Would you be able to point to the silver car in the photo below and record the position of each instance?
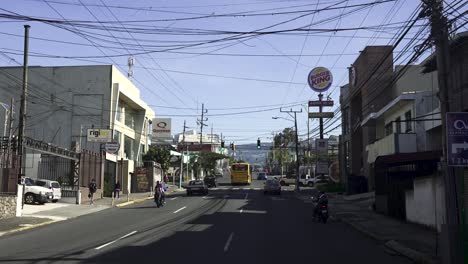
(272, 186)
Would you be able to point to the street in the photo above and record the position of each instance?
(230, 225)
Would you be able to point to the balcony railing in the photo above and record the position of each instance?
(391, 144)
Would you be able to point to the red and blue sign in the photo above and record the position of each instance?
(457, 139)
(320, 79)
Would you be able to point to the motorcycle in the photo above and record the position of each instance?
(321, 212)
(159, 200)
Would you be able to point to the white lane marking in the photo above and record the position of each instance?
(113, 241)
(175, 212)
(257, 189)
(235, 189)
(228, 242)
(241, 210)
(214, 188)
(172, 199)
(246, 195)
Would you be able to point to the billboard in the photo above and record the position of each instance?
(99, 135)
(161, 127)
(457, 139)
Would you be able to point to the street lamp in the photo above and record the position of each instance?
(296, 137)
(279, 117)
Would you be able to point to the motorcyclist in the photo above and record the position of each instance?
(159, 192)
(322, 200)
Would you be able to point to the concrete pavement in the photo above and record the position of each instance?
(410, 240)
(226, 226)
(39, 215)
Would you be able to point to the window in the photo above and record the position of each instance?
(409, 126)
(388, 129)
(128, 148)
(119, 113)
(117, 136)
(398, 125)
(130, 118)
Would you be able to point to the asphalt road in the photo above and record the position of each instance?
(240, 225)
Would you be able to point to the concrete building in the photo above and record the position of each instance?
(64, 102)
(366, 92)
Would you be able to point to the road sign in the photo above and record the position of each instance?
(322, 115)
(99, 135)
(457, 139)
(321, 103)
(112, 147)
(321, 146)
(321, 167)
(320, 79)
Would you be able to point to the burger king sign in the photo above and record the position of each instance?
(320, 79)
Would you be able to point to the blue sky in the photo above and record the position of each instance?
(176, 84)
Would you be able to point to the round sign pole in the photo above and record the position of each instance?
(320, 79)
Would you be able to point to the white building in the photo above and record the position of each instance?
(64, 102)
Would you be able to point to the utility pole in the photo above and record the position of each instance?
(9, 135)
(182, 158)
(451, 239)
(22, 117)
(297, 143)
(202, 123)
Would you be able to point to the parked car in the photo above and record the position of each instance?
(262, 176)
(272, 186)
(288, 180)
(36, 194)
(51, 185)
(196, 186)
(210, 181)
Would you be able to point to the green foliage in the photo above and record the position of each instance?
(331, 187)
(207, 160)
(159, 155)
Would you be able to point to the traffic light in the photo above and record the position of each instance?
(222, 145)
(259, 146)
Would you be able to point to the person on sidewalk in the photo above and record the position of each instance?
(92, 189)
(117, 190)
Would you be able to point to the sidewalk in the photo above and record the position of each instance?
(416, 242)
(39, 215)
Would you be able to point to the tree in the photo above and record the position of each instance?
(159, 155)
(207, 160)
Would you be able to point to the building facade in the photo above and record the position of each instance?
(63, 103)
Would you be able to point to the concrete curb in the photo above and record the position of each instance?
(360, 229)
(28, 227)
(142, 199)
(134, 201)
(412, 254)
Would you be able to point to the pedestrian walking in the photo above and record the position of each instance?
(117, 190)
(92, 189)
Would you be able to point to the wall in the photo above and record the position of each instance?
(7, 206)
(414, 80)
(425, 203)
(69, 98)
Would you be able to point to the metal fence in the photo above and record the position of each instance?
(9, 168)
(91, 167)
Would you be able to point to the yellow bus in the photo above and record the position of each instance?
(241, 173)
